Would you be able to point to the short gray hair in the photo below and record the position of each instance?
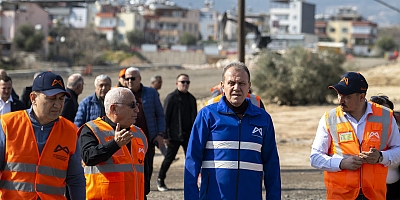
(101, 77)
(74, 80)
(132, 69)
(154, 78)
(237, 66)
(115, 95)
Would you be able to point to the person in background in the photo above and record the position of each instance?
(74, 87)
(92, 106)
(393, 176)
(156, 83)
(26, 92)
(121, 78)
(180, 112)
(233, 144)
(7, 102)
(150, 118)
(13, 93)
(38, 148)
(114, 149)
(355, 142)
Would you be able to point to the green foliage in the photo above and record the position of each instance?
(28, 39)
(188, 39)
(115, 56)
(297, 77)
(135, 37)
(386, 43)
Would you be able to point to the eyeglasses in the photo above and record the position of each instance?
(183, 82)
(130, 78)
(132, 105)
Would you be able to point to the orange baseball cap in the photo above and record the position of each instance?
(122, 73)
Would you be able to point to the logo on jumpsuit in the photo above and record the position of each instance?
(257, 132)
(58, 149)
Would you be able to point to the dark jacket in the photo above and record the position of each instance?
(70, 106)
(17, 105)
(173, 112)
(25, 96)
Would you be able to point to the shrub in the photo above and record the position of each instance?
(297, 77)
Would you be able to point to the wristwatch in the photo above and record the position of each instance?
(380, 159)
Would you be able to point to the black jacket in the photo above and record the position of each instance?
(173, 113)
(70, 106)
(25, 96)
(17, 105)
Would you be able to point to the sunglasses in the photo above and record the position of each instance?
(130, 78)
(132, 105)
(183, 82)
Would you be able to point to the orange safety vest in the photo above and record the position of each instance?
(122, 175)
(256, 100)
(27, 173)
(371, 178)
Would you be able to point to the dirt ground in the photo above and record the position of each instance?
(295, 126)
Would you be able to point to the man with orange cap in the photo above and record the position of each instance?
(121, 78)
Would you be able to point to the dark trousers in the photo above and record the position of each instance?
(148, 167)
(393, 191)
(172, 150)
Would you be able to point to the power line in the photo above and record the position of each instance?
(388, 5)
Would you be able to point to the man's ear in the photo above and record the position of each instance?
(32, 97)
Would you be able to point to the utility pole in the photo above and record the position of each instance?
(241, 30)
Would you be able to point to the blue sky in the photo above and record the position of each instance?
(369, 9)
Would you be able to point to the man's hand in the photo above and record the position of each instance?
(122, 137)
(371, 156)
(158, 140)
(351, 163)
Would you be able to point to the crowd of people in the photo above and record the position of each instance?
(103, 147)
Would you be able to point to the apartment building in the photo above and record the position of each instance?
(349, 27)
(208, 21)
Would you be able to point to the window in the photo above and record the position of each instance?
(332, 30)
(345, 30)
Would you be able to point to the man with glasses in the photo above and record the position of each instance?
(150, 118)
(355, 142)
(180, 112)
(92, 106)
(113, 150)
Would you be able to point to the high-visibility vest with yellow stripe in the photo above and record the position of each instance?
(371, 178)
(256, 100)
(28, 174)
(122, 175)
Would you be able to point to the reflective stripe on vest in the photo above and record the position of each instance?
(30, 187)
(31, 168)
(333, 120)
(254, 100)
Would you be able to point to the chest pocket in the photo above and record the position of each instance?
(139, 147)
(256, 129)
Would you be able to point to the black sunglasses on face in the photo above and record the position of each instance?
(130, 78)
(132, 105)
(183, 82)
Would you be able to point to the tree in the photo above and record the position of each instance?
(188, 39)
(386, 43)
(297, 77)
(83, 46)
(28, 39)
(135, 37)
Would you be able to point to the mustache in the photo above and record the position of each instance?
(343, 105)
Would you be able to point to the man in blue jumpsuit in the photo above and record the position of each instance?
(232, 145)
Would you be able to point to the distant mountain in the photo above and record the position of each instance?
(369, 9)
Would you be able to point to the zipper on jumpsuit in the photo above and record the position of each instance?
(238, 172)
